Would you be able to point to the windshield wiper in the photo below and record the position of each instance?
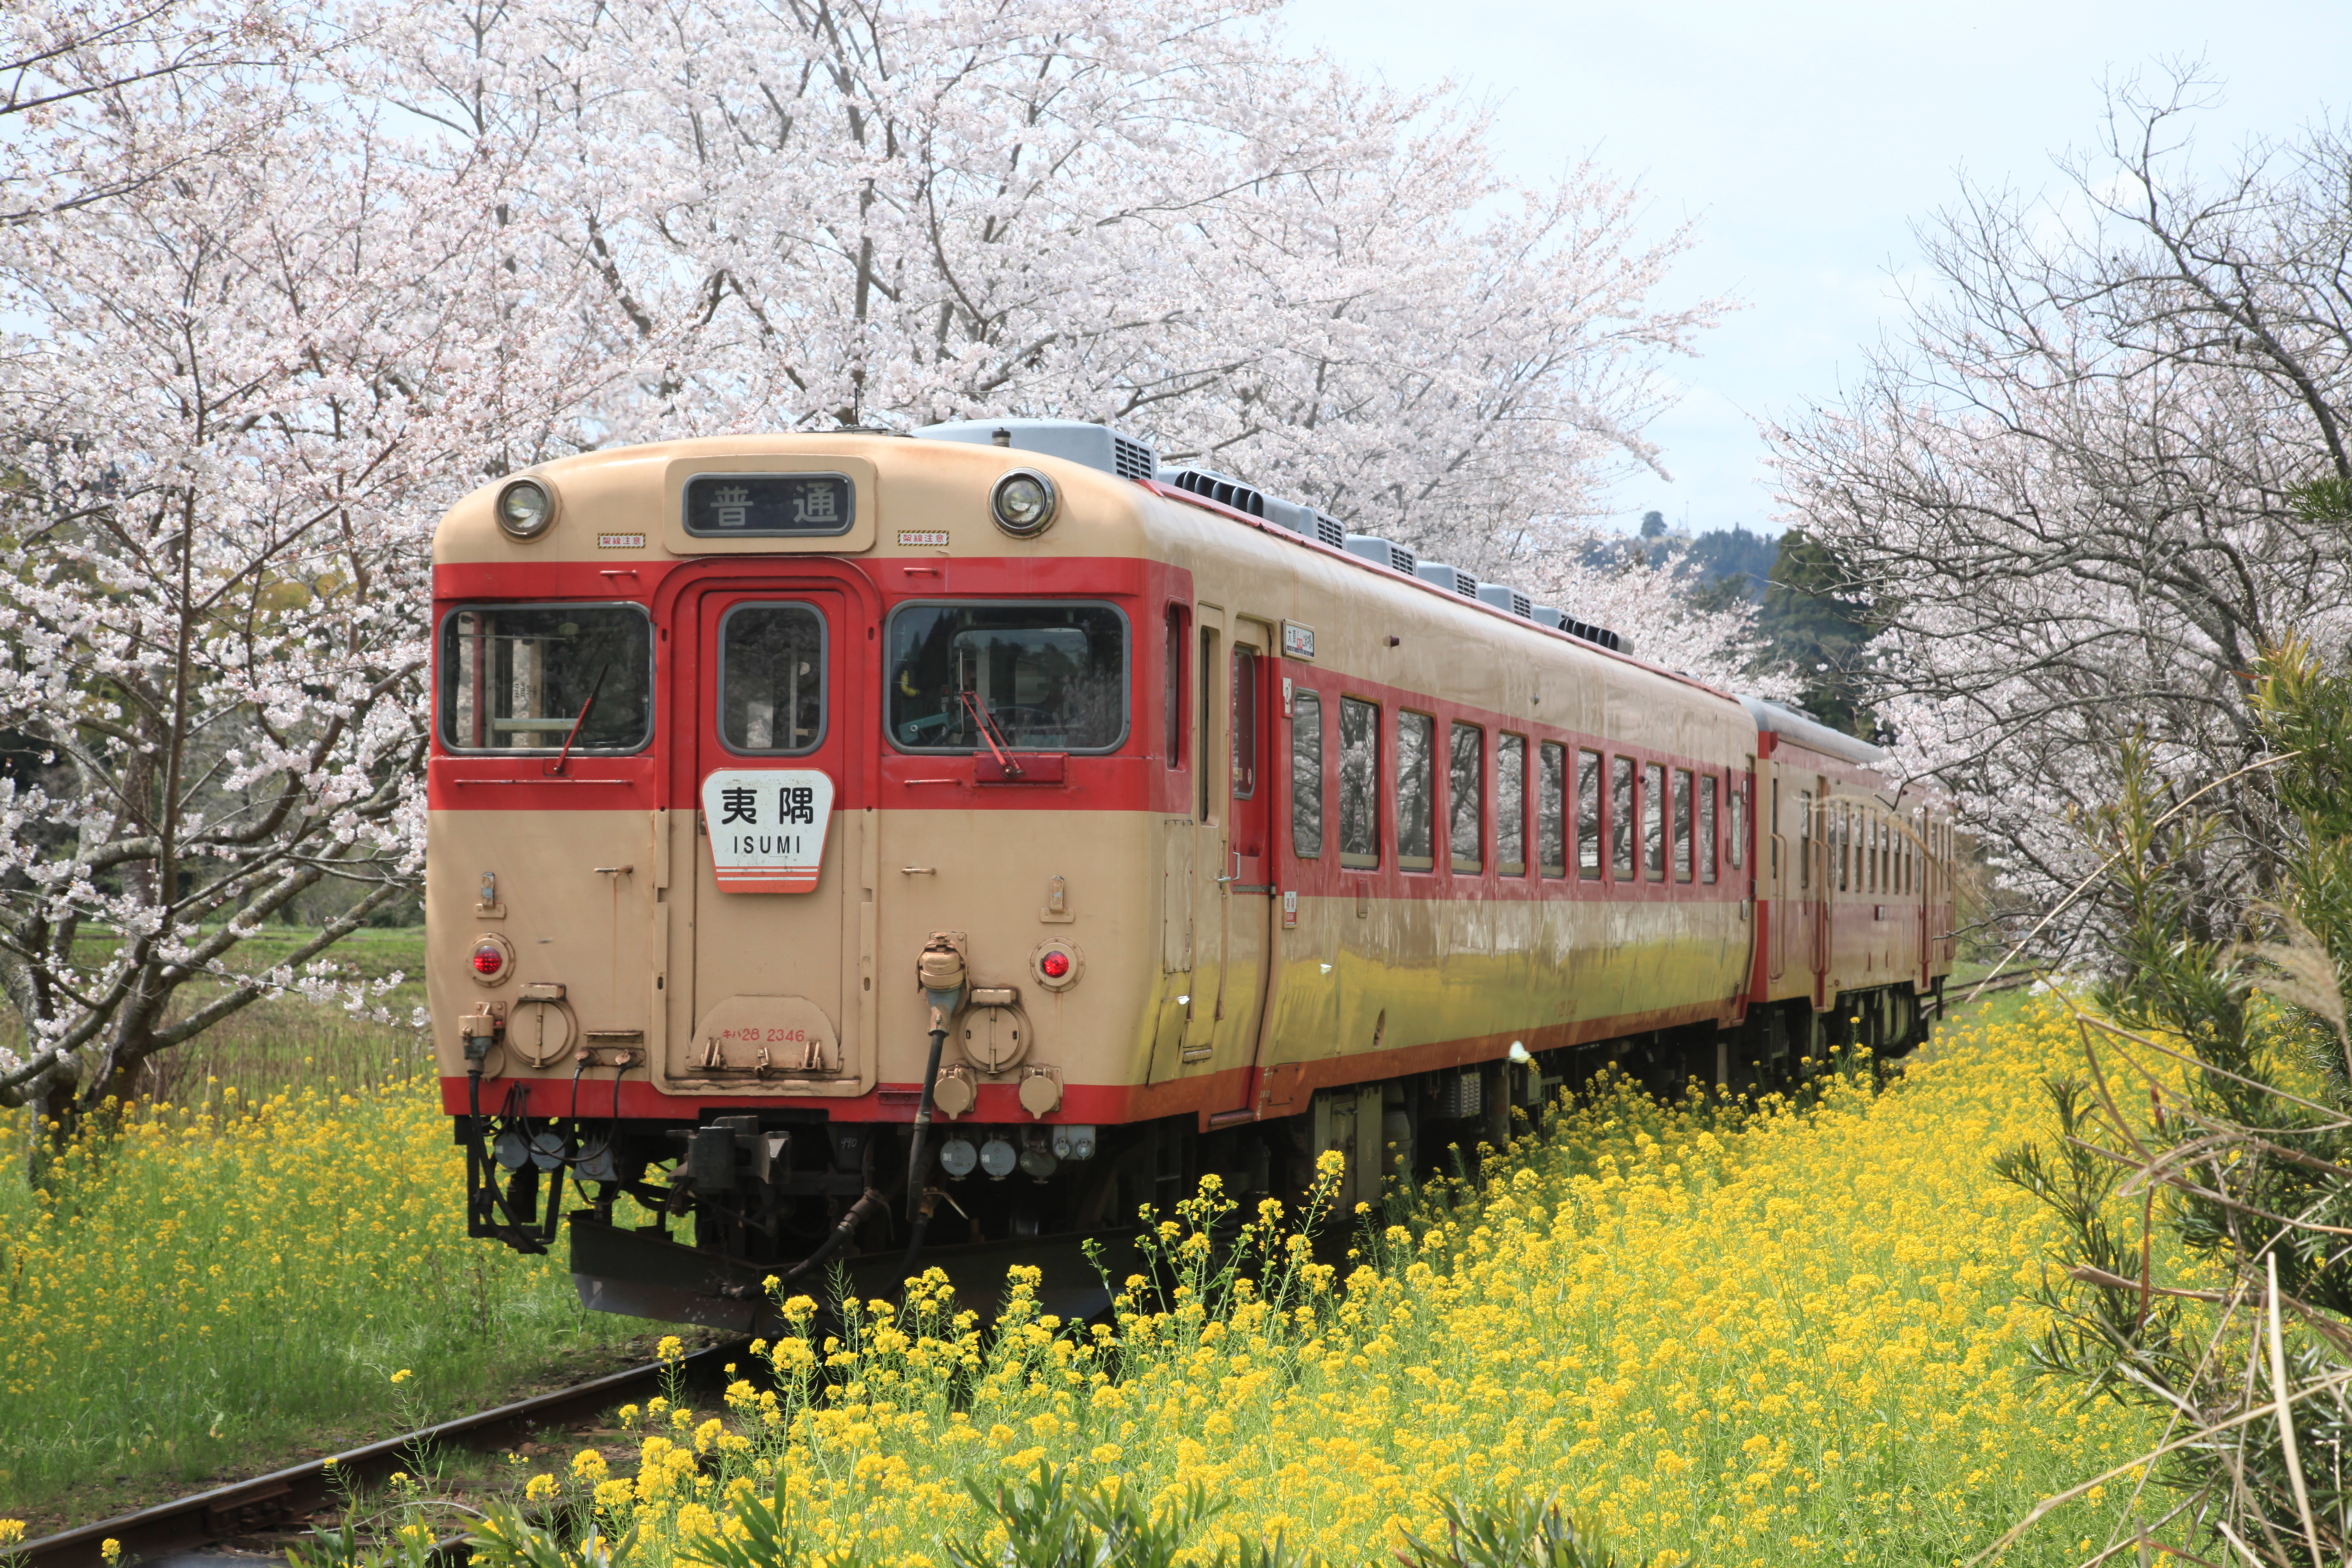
(595, 687)
(997, 743)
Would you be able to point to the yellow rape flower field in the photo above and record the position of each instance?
(215, 1281)
(1799, 1342)
(1768, 1337)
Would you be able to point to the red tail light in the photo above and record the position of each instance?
(488, 960)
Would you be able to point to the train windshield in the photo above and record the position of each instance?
(517, 677)
(1034, 676)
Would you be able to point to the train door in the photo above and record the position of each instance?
(1772, 844)
(781, 908)
(1809, 874)
(1252, 786)
(1233, 934)
(1825, 863)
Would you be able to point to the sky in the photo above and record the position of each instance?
(1807, 139)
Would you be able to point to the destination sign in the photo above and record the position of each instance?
(767, 827)
(752, 506)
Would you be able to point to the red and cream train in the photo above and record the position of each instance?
(954, 842)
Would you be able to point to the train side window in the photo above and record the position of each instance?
(1551, 811)
(1416, 791)
(1306, 775)
(1842, 848)
(1653, 821)
(1360, 784)
(771, 678)
(1804, 839)
(1466, 797)
(1683, 844)
(1621, 819)
(1511, 805)
(1706, 848)
(1243, 718)
(1588, 816)
(1735, 805)
(1173, 702)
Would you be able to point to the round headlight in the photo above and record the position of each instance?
(1022, 503)
(525, 509)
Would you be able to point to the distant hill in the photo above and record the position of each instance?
(1792, 583)
(1736, 558)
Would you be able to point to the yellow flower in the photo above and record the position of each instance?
(109, 1548)
(541, 1488)
(12, 1532)
(671, 1348)
(403, 1376)
(588, 1467)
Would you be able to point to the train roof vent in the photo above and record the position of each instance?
(1503, 596)
(1545, 616)
(1095, 445)
(1380, 552)
(1330, 531)
(1133, 458)
(1223, 489)
(1600, 636)
(1452, 579)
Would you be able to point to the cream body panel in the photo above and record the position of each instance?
(591, 934)
(986, 874)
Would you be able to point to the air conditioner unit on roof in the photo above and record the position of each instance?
(1503, 596)
(1095, 445)
(1380, 552)
(1452, 579)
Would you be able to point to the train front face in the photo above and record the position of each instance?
(747, 756)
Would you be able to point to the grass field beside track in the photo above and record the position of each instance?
(231, 1280)
(1800, 1340)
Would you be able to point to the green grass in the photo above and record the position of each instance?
(217, 1286)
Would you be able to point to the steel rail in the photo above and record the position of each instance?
(273, 1501)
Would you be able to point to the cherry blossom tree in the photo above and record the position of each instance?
(76, 75)
(1158, 218)
(2105, 467)
(254, 383)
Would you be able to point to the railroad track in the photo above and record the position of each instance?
(2010, 981)
(273, 1501)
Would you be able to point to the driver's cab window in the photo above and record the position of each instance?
(1031, 677)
